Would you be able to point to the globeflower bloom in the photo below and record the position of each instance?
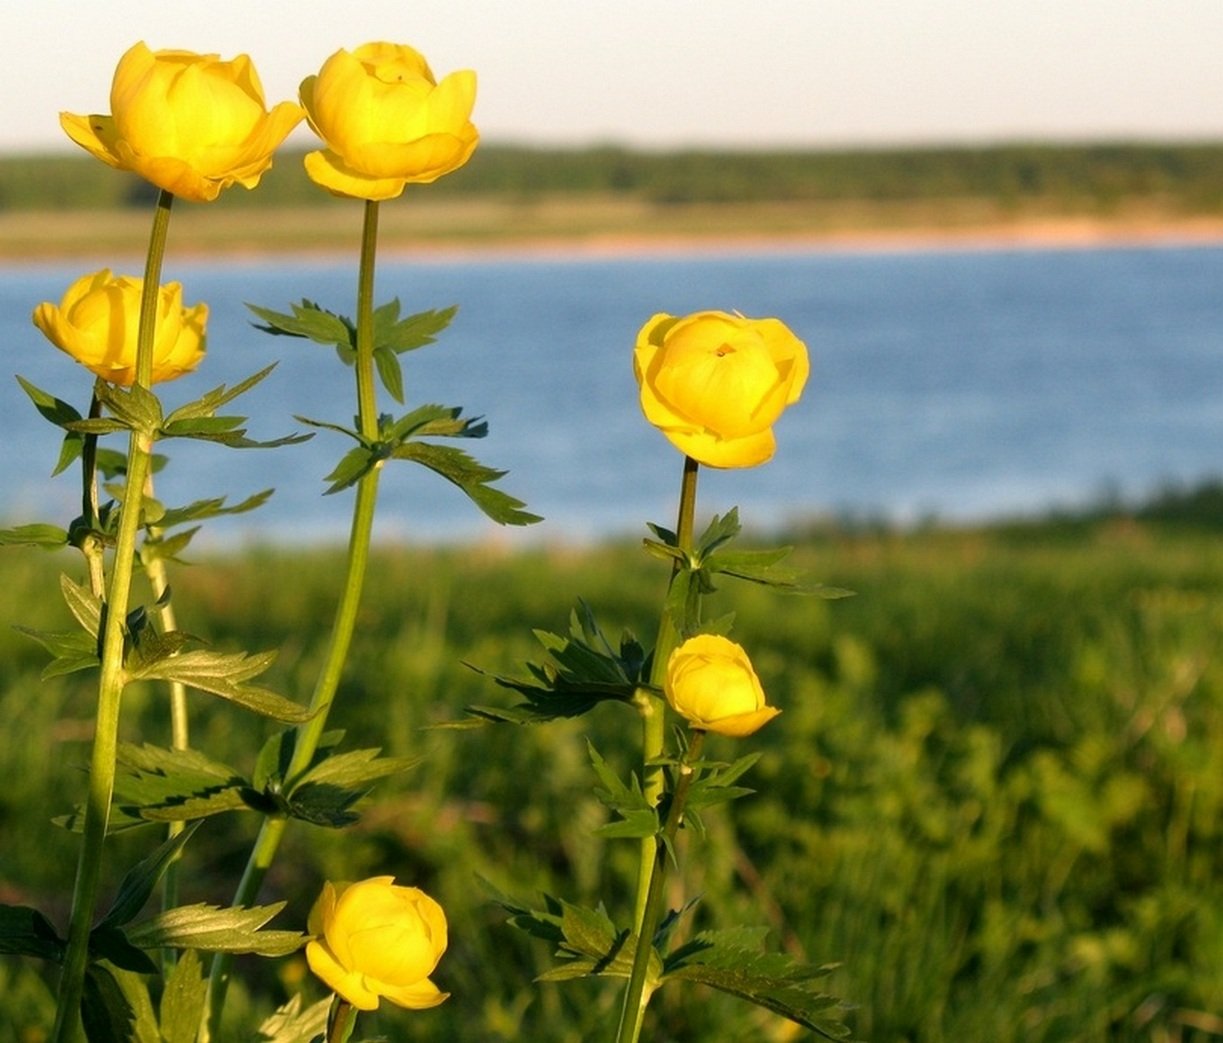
(98, 321)
(714, 383)
(711, 683)
(386, 121)
(189, 123)
(374, 939)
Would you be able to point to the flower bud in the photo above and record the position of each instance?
(374, 940)
(710, 682)
(98, 321)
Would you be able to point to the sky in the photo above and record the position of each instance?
(677, 73)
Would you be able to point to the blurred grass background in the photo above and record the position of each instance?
(995, 795)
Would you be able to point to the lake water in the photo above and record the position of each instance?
(959, 384)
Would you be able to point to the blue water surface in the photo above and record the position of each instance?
(961, 384)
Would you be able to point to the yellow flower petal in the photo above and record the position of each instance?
(328, 170)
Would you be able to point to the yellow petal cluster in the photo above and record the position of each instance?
(374, 939)
(710, 682)
(190, 123)
(98, 320)
(714, 383)
(386, 121)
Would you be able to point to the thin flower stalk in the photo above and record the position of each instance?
(637, 995)
(309, 734)
(111, 680)
(652, 706)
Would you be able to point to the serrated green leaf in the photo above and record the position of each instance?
(415, 331)
(309, 321)
(56, 410)
(225, 675)
(24, 931)
(353, 466)
(731, 963)
(83, 604)
(470, 476)
(721, 529)
(200, 510)
(160, 785)
(106, 1014)
(291, 1024)
(35, 535)
(111, 944)
(637, 816)
(389, 372)
(355, 768)
(139, 881)
(209, 928)
(136, 408)
(182, 1002)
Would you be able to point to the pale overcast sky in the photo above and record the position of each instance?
(803, 73)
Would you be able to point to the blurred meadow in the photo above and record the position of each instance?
(995, 795)
(994, 798)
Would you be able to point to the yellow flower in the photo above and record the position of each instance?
(714, 383)
(373, 939)
(710, 682)
(98, 320)
(386, 121)
(189, 123)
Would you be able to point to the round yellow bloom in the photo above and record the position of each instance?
(714, 383)
(373, 939)
(710, 682)
(386, 121)
(189, 123)
(98, 320)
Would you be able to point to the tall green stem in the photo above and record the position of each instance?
(637, 996)
(652, 708)
(112, 679)
(308, 735)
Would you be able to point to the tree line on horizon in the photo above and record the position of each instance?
(1187, 176)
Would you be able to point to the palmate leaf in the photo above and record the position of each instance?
(470, 476)
(208, 928)
(582, 672)
(312, 322)
(735, 963)
(24, 931)
(292, 1024)
(225, 674)
(637, 816)
(182, 1001)
(161, 785)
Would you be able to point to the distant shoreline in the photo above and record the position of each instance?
(115, 238)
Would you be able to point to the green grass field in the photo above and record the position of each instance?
(994, 797)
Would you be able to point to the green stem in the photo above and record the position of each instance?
(112, 679)
(637, 996)
(341, 1020)
(650, 705)
(308, 735)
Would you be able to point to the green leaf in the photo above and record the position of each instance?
(312, 322)
(72, 650)
(139, 881)
(354, 768)
(83, 604)
(106, 1014)
(437, 422)
(472, 477)
(764, 567)
(415, 331)
(36, 535)
(389, 372)
(291, 1024)
(160, 785)
(353, 466)
(225, 674)
(733, 963)
(182, 1002)
(111, 944)
(26, 932)
(134, 408)
(209, 928)
(56, 410)
(638, 818)
(206, 406)
(200, 510)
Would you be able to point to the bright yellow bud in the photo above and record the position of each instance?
(710, 682)
(98, 320)
(714, 383)
(189, 123)
(386, 121)
(373, 940)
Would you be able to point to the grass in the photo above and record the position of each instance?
(995, 795)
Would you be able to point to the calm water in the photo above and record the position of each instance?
(957, 384)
